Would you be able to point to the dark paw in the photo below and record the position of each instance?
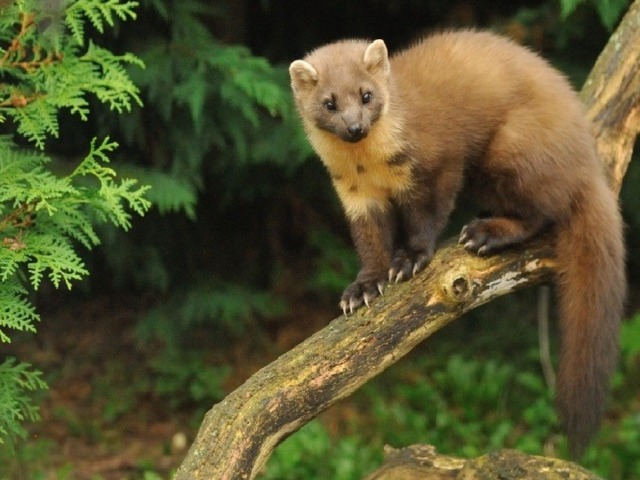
(406, 264)
(477, 236)
(360, 293)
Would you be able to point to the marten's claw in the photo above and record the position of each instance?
(349, 306)
(365, 299)
(464, 236)
(481, 236)
(406, 265)
(473, 239)
(416, 269)
(360, 293)
(353, 305)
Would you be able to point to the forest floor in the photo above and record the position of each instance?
(100, 418)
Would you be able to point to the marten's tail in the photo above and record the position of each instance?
(591, 291)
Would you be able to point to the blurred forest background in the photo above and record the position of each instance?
(245, 251)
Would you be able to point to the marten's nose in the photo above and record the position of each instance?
(355, 130)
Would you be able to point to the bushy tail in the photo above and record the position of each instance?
(591, 291)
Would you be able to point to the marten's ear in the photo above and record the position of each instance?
(376, 58)
(303, 75)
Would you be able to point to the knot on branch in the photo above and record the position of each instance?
(456, 286)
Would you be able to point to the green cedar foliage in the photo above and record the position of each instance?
(228, 306)
(16, 380)
(218, 133)
(47, 63)
(212, 110)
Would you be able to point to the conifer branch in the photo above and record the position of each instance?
(20, 218)
(44, 216)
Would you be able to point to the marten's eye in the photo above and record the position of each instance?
(330, 105)
(366, 97)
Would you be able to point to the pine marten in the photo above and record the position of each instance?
(399, 137)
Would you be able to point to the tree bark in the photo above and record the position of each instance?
(420, 462)
(612, 96)
(238, 434)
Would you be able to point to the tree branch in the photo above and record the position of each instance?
(239, 433)
(612, 96)
(420, 462)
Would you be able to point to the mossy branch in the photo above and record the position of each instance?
(238, 434)
(418, 462)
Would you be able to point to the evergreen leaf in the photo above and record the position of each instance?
(16, 379)
(193, 93)
(10, 260)
(53, 254)
(74, 222)
(610, 11)
(168, 192)
(36, 120)
(112, 84)
(16, 311)
(99, 13)
(567, 7)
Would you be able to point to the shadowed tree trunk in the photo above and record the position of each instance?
(238, 434)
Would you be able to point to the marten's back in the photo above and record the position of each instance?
(466, 84)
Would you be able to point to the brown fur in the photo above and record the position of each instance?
(400, 136)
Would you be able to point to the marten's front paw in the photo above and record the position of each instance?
(359, 293)
(405, 265)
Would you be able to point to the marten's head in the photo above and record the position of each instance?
(343, 87)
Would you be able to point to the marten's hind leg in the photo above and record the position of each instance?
(525, 179)
(487, 235)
